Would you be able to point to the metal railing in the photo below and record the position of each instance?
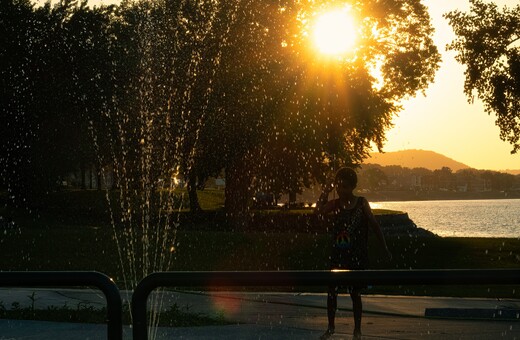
(75, 279)
(257, 278)
(308, 278)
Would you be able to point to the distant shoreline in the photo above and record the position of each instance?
(388, 196)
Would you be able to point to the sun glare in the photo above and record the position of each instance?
(334, 32)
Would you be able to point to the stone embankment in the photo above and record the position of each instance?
(392, 224)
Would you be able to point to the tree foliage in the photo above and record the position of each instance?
(16, 27)
(487, 44)
(284, 117)
(330, 111)
(55, 85)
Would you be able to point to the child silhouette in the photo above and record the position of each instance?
(352, 218)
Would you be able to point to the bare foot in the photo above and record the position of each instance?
(328, 333)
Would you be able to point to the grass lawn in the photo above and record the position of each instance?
(180, 317)
(83, 241)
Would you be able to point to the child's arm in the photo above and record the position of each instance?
(324, 206)
(375, 227)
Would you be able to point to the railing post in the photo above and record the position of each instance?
(78, 279)
(139, 306)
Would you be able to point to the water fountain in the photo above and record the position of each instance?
(156, 123)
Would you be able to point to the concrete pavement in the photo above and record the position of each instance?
(274, 316)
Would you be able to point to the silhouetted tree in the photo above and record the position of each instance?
(17, 127)
(444, 178)
(487, 44)
(57, 90)
(328, 113)
(92, 88)
(375, 178)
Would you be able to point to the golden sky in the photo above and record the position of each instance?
(443, 121)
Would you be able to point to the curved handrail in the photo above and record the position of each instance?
(78, 279)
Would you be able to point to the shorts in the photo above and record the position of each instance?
(346, 288)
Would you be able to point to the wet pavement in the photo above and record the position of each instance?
(280, 316)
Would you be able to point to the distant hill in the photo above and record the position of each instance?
(415, 159)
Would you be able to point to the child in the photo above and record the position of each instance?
(352, 217)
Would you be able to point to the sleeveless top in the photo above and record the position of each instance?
(349, 237)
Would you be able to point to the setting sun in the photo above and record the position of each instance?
(334, 32)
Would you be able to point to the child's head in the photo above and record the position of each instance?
(346, 178)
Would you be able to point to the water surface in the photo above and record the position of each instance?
(463, 218)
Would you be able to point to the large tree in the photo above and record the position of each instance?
(487, 44)
(321, 113)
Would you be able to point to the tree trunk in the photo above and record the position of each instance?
(238, 195)
(83, 174)
(292, 199)
(99, 178)
(91, 176)
(192, 194)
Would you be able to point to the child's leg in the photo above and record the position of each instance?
(332, 305)
(357, 307)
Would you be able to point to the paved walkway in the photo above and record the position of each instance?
(282, 316)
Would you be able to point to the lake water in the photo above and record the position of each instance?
(468, 218)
